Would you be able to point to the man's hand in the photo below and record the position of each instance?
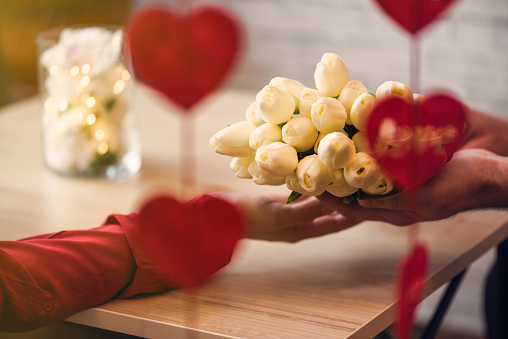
(268, 219)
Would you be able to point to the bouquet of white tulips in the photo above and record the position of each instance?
(313, 140)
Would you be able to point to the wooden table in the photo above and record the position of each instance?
(338, 286)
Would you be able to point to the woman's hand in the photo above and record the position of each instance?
(269, 219)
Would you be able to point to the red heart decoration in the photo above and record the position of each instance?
(413, 15)
(414, 162)
(185, 57)
(189, 241)
(412, 282)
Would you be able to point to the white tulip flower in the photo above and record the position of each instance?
(275, 105)
(262, 177)
(241, 166)
(331, 75)
(307, 99)
(233, 140)
(362, 171)
(253, 115)
(360, 111)
(293, 87)
(394, 89)
(328, 115)
(362, 145)
(300, 133)
(278, 159)
(336, 150)
(382, 186)
(339, 186)
(265, 135)
(293, 185)
(313, 176)
(352, 90)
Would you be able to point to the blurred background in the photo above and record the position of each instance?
(466, 53)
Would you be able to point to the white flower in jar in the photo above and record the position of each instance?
(233, 140)
(278, 159)
(352, 90)
(362, 171)
(328, 115)
(265, 135)
(339, 186)
(360, 110)
(300, 133)
(336, 150)
(275, 105)
(382, 186)
(262, 177)
(240, 166)
(313, 175)
(331, 75)
(307, 99)
(293, 87)
(394, 89)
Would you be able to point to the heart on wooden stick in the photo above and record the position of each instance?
(189, 242)
(414, 15)
(185, 56)
(421, 135)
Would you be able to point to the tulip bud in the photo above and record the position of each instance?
(331, 75)
(362, 145)
(241, 166)
(328, 115)
(265, 135)
(390, 89)
(278, 159)
(261, 177)
(382, 186)
(293, 87)
(360, 111)
(253, 116)
(275, 105)
(307, 99)
(313, 175)
(233, 140)
(339, 186)
(293, 184)
(300, 133)
(352, 90)
(362, 171)
(336, 150)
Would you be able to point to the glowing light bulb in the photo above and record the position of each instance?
(63, 105)
(99, 134)
(85, 69)
(90, 102)
(86, 80)
(90, 119)
(102, 148)
(74, 71)
(118, 86)
(126, 75)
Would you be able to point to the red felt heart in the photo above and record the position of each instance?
(185, 57)
(412, 282)
(413, 15)
(188, 242)
(418, 157)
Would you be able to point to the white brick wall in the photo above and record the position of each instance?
(466, 53)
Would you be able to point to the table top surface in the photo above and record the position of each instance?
(339, 286)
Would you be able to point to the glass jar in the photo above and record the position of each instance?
(89, 127)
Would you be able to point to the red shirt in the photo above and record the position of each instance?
(45, 279)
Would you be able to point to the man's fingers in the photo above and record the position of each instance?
(304, 211)
(320, 226)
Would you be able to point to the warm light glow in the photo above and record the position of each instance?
(90, 102)
(79, 87)
(99, 134)
(102, 148)
(63, 105)
(118, 87)
(90, 119)
(86, 80)
(74, 71)
(126, 75)
(117, 40)
(85, 69)
(53, 70)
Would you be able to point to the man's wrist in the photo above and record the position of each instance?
(495, 190)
